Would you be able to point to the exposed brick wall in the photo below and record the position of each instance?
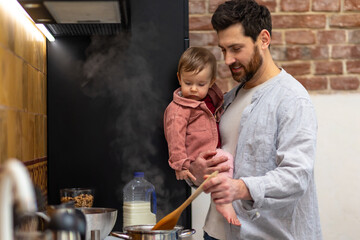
(317, 41)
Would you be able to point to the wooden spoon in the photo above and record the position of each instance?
(169, 221)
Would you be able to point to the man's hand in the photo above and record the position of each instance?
(225, 190)
(205, 164)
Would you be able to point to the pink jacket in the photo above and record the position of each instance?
(190, 127)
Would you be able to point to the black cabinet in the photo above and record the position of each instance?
(106, 98)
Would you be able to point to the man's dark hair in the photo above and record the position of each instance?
(252, 16)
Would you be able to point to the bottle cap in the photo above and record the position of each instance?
(138, 174)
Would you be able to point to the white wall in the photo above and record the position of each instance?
(337, 169)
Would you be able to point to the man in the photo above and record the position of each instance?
(270, 127)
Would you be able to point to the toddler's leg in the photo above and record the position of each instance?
(229, 162)
(228, 212)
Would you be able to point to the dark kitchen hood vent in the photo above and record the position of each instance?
(83, 29)
(80, 17)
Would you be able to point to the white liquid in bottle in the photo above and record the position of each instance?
(138, 213)
(139, 204)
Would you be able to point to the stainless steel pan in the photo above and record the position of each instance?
(144, 232)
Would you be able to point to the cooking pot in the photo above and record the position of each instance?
(144, 232)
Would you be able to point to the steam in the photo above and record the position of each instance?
(116, 67)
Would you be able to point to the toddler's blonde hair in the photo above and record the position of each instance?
(195, 59)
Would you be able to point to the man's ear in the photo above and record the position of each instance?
(264, 38)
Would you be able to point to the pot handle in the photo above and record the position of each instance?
(120, 235)
(187, 233)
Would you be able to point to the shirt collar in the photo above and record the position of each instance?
(230, 96)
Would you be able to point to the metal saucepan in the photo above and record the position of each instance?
(144, 232)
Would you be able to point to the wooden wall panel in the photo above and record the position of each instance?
(23, 131)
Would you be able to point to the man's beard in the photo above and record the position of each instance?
(249, 70)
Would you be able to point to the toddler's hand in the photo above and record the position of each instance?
(184, 174)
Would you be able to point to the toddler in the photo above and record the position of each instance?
(191, 121)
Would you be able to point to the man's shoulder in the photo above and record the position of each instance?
(289, 86)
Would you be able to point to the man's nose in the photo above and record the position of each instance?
(229, 59)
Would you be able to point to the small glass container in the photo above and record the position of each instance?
(82, 197)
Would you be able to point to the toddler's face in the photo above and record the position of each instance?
(195, 85)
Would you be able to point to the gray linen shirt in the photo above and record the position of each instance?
(275, 158)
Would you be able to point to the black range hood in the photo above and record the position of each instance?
(80, 17)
